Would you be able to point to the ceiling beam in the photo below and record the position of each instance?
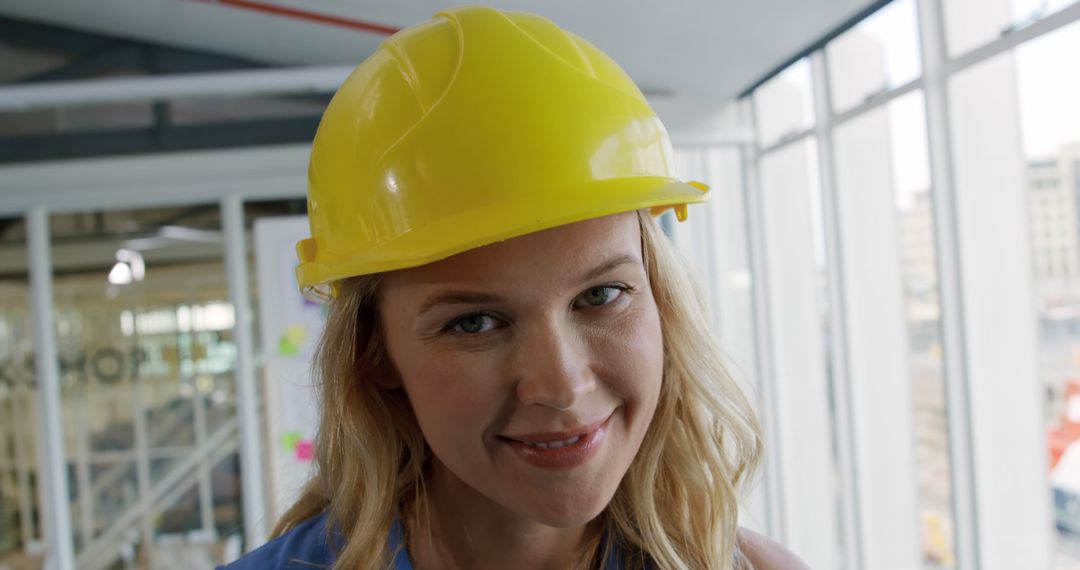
(294, 80)
(157, 138)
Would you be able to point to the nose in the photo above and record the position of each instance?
(551, 364)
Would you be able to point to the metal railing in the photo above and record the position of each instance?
(106, 548)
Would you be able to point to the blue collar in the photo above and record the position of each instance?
(396, 542)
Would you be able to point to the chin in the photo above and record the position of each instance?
(570, 512)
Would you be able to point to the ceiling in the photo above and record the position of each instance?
(675, 49)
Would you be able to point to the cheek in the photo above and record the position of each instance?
(449, 393)
(636, 351)
(652, 379)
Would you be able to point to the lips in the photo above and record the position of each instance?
(559, 450)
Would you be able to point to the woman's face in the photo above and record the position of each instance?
(533, 365)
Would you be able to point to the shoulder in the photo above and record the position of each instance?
(304, 546)
(766, 554)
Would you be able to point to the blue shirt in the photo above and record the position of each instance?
(305, 548)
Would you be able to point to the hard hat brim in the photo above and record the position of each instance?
(319, 271)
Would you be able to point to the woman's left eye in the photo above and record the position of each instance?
(599, 296)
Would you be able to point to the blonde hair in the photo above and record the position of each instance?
(677, 505)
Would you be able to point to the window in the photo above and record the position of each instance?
(890, 260)
(144, 335)
(785, 105)
(973, 23)
(878, 54)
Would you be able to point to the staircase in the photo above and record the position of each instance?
(123, 533)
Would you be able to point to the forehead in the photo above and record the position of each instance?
(547, 257)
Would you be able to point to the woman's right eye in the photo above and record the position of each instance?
(472, 324)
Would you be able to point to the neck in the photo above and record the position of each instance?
(468, 530)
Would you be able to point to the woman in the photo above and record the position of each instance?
(515, 371)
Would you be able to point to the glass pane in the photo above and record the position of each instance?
(880, 53)
(972, 23)
(796, 280)
(714, 241)
(732, 279)
(144, 330)
(20, 514)
(1050, 135)
(1016, 131)
(784, 105)
(885, 150)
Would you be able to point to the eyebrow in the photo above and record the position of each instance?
(608, 265)
(457, 298)
(453, 297)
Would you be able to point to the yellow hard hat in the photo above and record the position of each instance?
(474, 127)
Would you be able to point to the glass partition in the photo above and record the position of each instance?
(145, 340)
(21, 509)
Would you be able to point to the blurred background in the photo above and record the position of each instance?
(892, 252)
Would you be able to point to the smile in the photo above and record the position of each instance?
(560, 450)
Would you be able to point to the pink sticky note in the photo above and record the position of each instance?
(305, 450)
